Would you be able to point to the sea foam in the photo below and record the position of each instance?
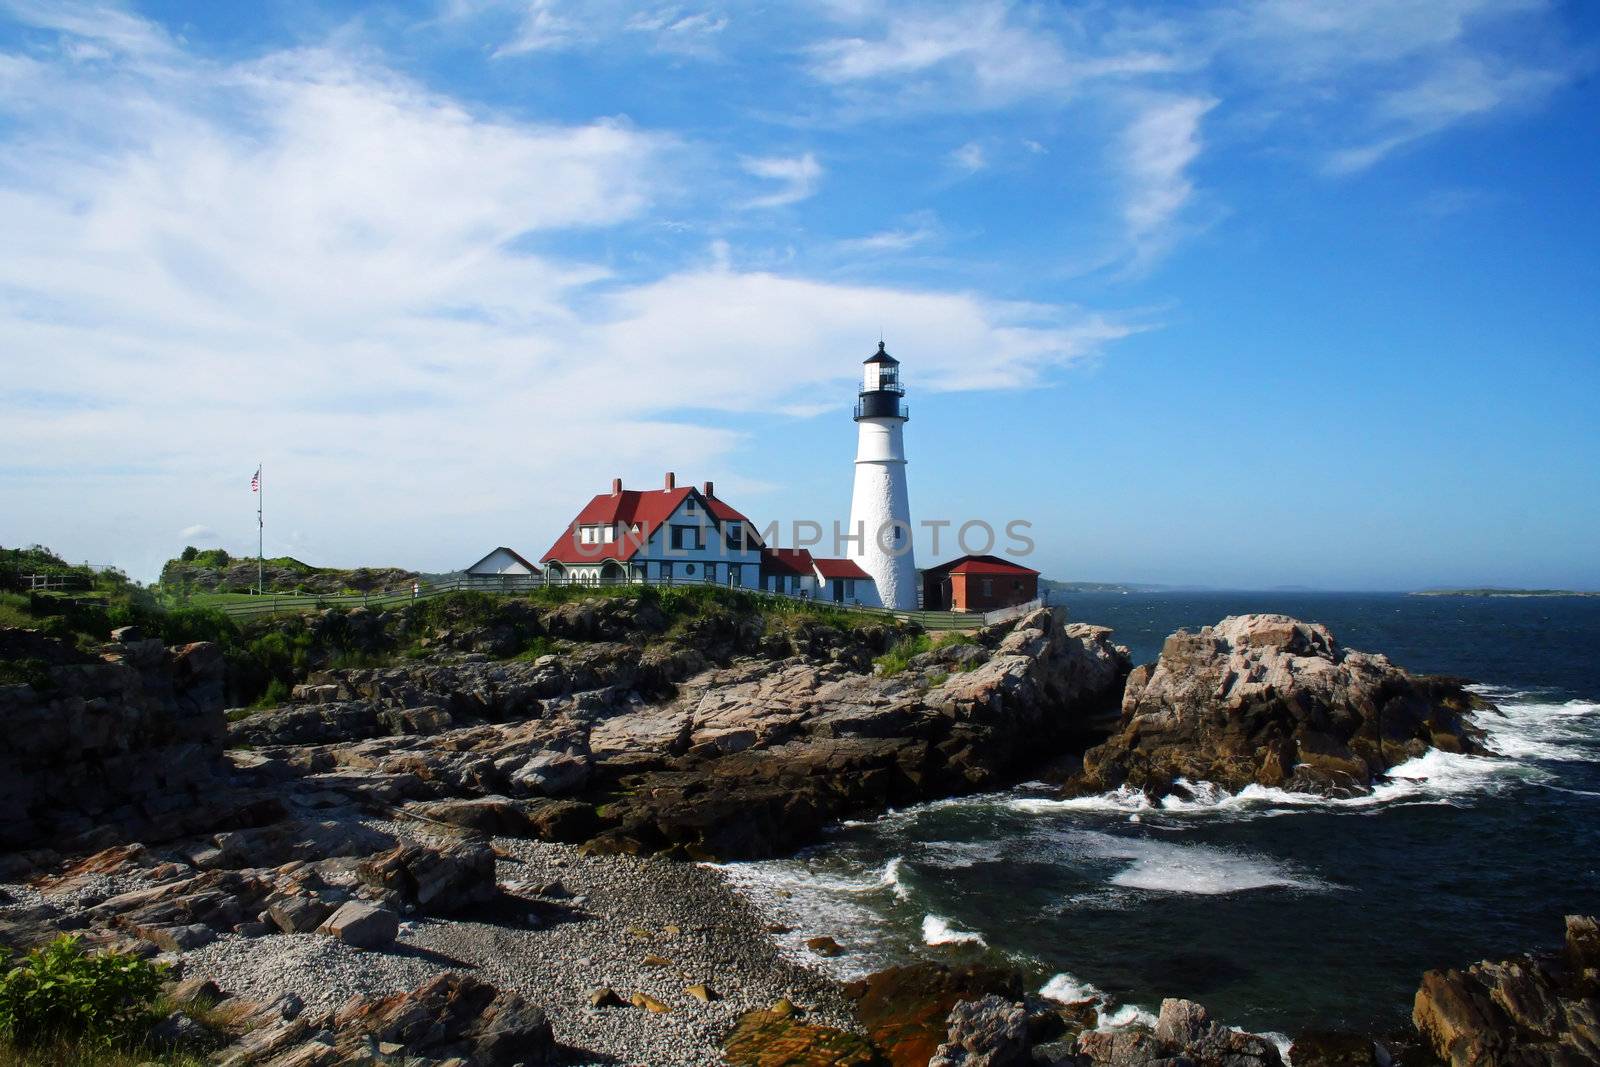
(936, 930)
(1522, 734)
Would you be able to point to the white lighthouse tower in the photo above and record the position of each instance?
(880, 509)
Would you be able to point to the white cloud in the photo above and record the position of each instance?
(901, 239)
(970, 56)
(798, 177)
(318, 263)
(1457, 90)
(727, 326)
(970, 157)
(561, 25)
(199, 533)
(1156, 150)
(543, 28)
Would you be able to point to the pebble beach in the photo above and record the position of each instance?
(622, 923)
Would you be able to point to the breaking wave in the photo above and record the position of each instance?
(936, 930)
(1523, 734)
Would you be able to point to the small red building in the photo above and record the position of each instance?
(978, 583)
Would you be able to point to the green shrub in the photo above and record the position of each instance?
(277, 692)
(14, 611)
(62, 991)
(181, 626)
(27, 671)
(538, 646)
(899, 656)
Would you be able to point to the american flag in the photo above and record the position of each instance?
(255, 481)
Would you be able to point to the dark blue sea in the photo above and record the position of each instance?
(1280, 912)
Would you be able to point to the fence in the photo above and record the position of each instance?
(39, 583)
(265, 604)
(1016, 611)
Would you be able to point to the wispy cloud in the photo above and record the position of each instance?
(798, 178)
(921, 228)
(1156, 151)
(970, 157)
(561, 25)
(972, 56)
(1459, 89)
(363, 255)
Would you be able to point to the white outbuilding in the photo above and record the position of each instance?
(500, 563)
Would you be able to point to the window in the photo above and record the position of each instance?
(689, 506)
(589, 535)
(686, 537)
(988, 586)
(610, 534)
(711, 572)
(688, 568)
(735, 537)
(1016, 585)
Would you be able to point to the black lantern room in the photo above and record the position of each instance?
(882, 396)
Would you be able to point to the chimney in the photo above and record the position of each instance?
(616, 487)
(709, 493)
(672, 481)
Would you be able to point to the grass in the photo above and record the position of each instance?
(14, 611)
(66, 1052)
(539, 646)
(903, 651)
(900, 654)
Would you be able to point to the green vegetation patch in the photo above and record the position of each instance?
(62, 992)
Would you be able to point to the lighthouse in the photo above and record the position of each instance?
(880, 509)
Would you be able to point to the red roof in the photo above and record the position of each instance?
(646, 509)
(796, 561)
(982, 565)
(839, 568)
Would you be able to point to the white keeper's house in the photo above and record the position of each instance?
(682, 535)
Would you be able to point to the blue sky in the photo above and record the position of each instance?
(1244, 293)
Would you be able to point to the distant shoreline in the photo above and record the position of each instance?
(1519, 593)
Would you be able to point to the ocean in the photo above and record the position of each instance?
(1281, 913)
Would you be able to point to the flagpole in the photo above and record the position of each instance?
(261, 532)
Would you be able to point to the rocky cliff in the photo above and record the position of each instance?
(1270, 700)
(1535, 1009)
(660, 748)
(131, 737)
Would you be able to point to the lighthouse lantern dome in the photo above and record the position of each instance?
(881, 372)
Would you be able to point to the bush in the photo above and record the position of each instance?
(277, 692)
(900, 654)
(62, 991)
(181, 626)
(14, 611)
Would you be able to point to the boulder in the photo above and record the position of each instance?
(449, 1015)
(1184, 1035)
(906, 1009)
(990, 1032)
(551, 774)
(363, 925)
(435, 880)
(1525, 1010)
(1270, 700)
